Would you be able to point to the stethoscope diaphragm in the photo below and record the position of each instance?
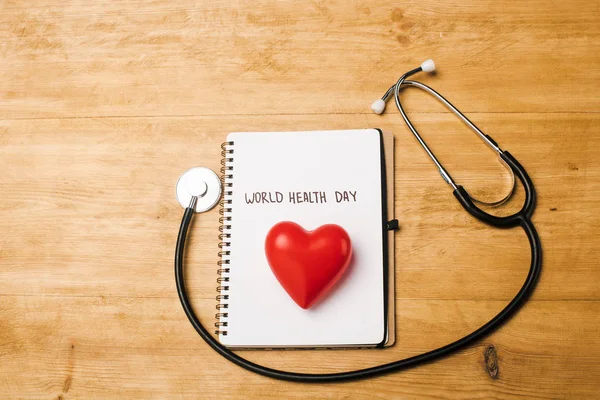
(201, 182)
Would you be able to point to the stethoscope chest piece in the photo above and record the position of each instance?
(202, 183)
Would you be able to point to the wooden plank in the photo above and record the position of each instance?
(130, 58)
(108, 347)
(90, 204)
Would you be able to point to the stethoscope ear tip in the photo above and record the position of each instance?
(378, 106)
(428, 65)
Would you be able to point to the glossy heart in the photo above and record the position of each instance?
(307, 263)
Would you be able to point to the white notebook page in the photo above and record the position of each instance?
(260, 312)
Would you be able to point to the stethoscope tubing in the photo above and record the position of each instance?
(489, 327)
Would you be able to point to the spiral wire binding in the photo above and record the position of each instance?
(224, 234)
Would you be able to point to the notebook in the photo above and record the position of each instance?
(312, 178)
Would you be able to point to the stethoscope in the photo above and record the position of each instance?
(199, 189)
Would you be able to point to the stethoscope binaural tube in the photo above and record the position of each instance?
(522, 218)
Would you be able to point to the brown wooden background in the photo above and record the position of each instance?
(104, 103)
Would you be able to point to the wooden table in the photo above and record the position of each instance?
(104, 103)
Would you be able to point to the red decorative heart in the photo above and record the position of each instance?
(307, 263)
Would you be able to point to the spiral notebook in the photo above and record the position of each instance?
(311, 178)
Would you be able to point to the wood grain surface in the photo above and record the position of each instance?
(103, 104)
